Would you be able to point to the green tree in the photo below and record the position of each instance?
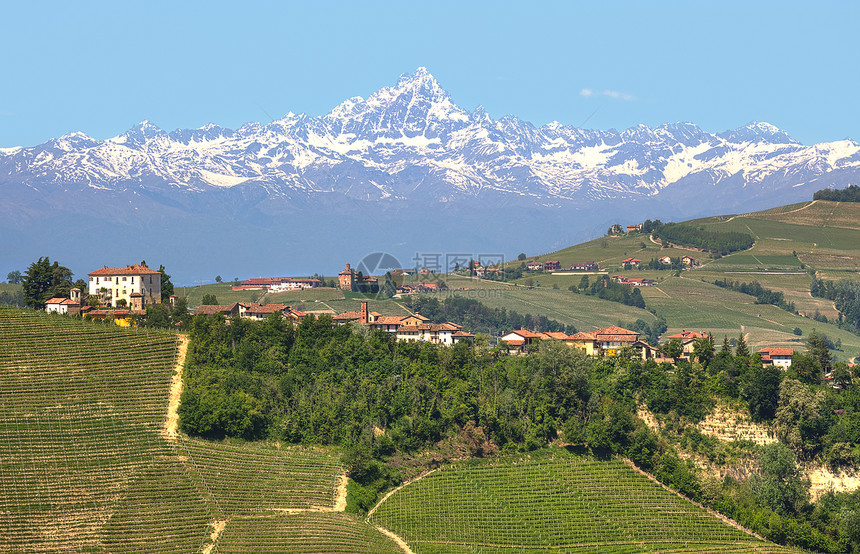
(799, 423)
(727, 347)
(166, 285)
(389, 289)
(806, 367)
(43, 281)
(742, 350)
(522, 256)
(817, 347)
(14, 277)
(209, 300)
(760, 390)
(673, 349)
(779, 486)
(703, 350)
(217, 278)
(583, 283)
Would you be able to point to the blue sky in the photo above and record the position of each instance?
(102, 67)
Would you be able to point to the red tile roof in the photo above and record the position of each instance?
(216, 309)
(691, 335)
(67, 301)
(134, 269)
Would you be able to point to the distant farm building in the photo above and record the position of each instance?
(779, 357)
(583, 266)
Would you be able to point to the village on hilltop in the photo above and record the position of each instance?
(123, 294)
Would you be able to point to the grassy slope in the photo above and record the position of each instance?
(825, 236)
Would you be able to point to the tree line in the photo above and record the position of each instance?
(479, 318)
(845, 295)
(762, 294)
(849, 194)
(717, 242)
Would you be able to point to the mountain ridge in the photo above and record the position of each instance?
(400, 156)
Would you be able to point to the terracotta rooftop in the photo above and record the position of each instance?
(134, 269)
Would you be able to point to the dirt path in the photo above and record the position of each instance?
(393, 536)
(171, 424)
(395, 489)
(218, 527)
(725, 519)
(340, 498)
(400, 542)
(663, 291)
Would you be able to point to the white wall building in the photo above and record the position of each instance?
(118, 283)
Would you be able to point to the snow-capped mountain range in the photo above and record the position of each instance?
(411, 147)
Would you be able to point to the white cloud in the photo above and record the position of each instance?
(619, 95)
(614, 94)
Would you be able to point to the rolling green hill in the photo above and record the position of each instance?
(792, 243)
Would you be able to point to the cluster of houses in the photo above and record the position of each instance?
(610, 341)
(688, 261)
(121, 291)
(555, 265)
(633, 281)
(407, 328)
(277, 284)
(617, 229)
(248, 310)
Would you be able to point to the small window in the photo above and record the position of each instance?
(124, 278)
(132, 280)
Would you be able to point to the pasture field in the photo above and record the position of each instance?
(553, 501)
(586, 313)
(222, 291)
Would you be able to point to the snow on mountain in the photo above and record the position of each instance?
(410, 140)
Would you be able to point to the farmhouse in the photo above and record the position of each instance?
(277, 284)
(70, 306)
(634, 228)
(259, 312)
(349, 280)
(633, 281)
(414, 327)
(632, 262)
(779, 357)
(551, 265)
(115, 285)
(688, 261)
(227, 310)
(665, 260)
(583, 266)
(688, 340)
(609, 342)
(535, 266)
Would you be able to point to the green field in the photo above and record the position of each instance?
(792, 243)
(553, 501)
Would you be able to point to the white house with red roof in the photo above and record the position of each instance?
(113, 284)
(632, 262)
(70, 306)
(779, 357)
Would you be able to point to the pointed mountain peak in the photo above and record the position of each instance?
(421, 79)
(139, 134)
(758, 131)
